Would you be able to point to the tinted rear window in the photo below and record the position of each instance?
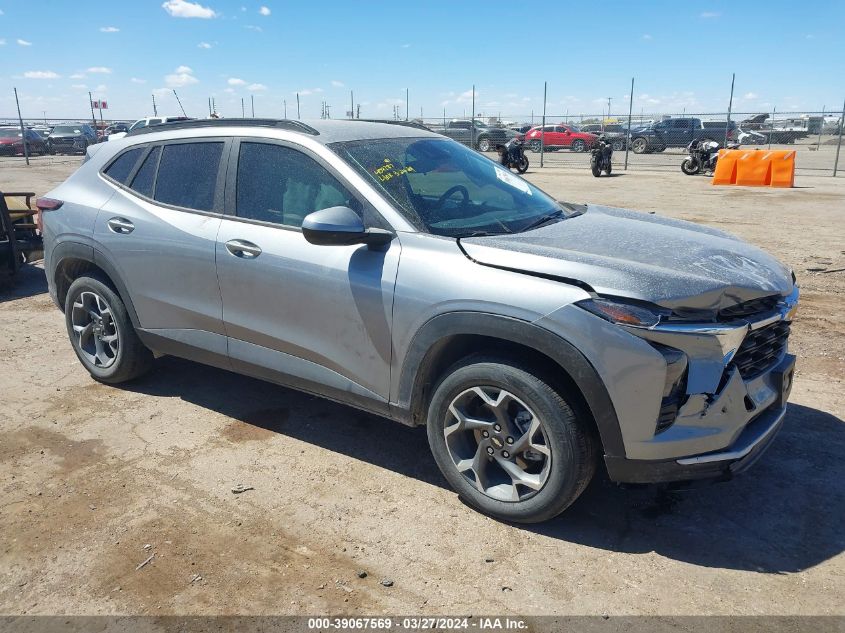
(187, 175)
(144, 179)
(120, 169)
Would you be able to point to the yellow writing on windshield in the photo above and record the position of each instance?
(388, 171)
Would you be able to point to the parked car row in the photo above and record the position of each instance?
(60, 139)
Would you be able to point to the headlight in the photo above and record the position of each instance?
(623, 313)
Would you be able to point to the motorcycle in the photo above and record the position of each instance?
(600, 159)
(512, 155)
(703, 156)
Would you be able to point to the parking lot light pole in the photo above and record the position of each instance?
(472, 120)
(23, 132)
(838, 145)
(730, 106)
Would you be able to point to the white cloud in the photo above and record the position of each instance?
(229, 90)
(309, 91)
(101, 88)
(135, 80)
(23, 43)
(750, 95)
(100, 69)
(185, 9)
(264, 11)
(109, 29)
(256, 87)
(203, 45)
(181, 77)
(236, 81)
(79, 86)
(252, 27)
(337, 84)
(40, 74)
(77, 76)
(710, 14)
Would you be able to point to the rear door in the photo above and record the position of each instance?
(315, 317)
(158, 232)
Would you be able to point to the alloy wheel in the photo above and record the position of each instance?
(497, 443)
(94, 327)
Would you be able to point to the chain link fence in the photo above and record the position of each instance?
(648, 141)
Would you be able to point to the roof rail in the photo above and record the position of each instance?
(286, 124)
(413, 124)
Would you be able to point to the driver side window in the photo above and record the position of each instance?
(282, 185)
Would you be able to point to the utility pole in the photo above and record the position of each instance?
(155, 109)
(358, 111)
(26, 151)
(252, 104)
(209, 106)
(285, 104)
(406, 104)
(243, 110)
(297, 106)
(213, 105)
(472, 119)
(44, 112)
(543, 133)
(351, 105)
(630, 110)
(180, 105)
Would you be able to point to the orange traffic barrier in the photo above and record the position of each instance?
(756, 168)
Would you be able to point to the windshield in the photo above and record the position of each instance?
(447, 189)
(67, 129)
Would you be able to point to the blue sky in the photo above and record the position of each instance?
(785, 54)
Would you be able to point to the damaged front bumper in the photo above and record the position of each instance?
(735, 391)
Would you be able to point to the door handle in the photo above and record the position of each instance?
(120, 225)
(244, 249)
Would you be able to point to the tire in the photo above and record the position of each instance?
(484, 144)
(522, 165)
(561, 458)
(609, 168)
(594, 167)
(618, 146)
(111, 364)
(578, 145)
(690, 167)
(535, 146)
(639, 145)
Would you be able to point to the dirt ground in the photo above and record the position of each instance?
(96, 479)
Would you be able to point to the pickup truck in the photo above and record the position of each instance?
(485, 138)
(679, 133)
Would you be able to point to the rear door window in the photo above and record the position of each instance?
(187, 174)
(120, 169)
(145, 178)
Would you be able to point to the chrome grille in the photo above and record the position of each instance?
(761, 349)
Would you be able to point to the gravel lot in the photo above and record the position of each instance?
(97, 479)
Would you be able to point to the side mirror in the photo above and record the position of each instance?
(341, 226)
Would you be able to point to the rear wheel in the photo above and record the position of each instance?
(508, 442)
(639, 145)
(618, 146)
(522, 165)
(594, 167)
(484, 144)
(101, 333)
(578, 145)
(609, 167)
(535, 146)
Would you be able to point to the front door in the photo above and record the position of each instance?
(314, 317)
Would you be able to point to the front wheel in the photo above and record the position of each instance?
(535, 146)
(618, 146)
(484, 144)
(690, 167)
(578, 145)
(522, 165)
(508, 442)
(101, 333)
(609, 167)
(594, 167)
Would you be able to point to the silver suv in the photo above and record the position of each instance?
(394, 270)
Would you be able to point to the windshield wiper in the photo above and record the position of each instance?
(544, 219)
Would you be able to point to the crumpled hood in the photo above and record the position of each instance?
(673, 263)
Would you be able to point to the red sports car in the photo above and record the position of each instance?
(559, 136)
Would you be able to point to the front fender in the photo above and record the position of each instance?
(439, 329)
